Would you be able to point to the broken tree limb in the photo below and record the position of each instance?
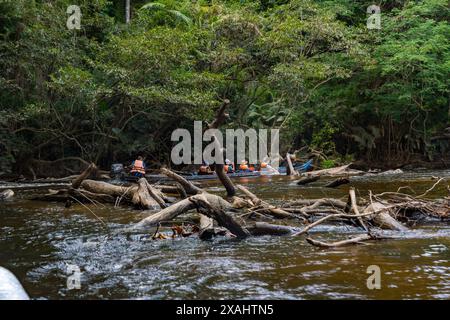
(155, 194)
(188, 186)
(220, 119)
(354, 240)
(221, 116)
(92, 168)
(341, 243)
(290, 171)
(206, 231)
(354, 207)
(269, 209)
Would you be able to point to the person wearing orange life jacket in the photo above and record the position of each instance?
(243, 166)
(204, 168)
(228, 167)
(138, 167)
(266, 168)
(251, 168)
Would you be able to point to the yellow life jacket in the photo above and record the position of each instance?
(138, 166)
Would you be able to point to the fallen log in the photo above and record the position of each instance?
(142, 197)
(214, 206)
(338, 182)
(264, 228)
(383, 218)
(188, 186)
(107, 188)
(206, 223)
(307, 179)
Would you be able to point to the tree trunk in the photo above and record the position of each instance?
(127, 11)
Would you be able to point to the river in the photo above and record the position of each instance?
(38, 241)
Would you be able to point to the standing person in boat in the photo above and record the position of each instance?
(228, 167)
(138, 167)
(204, 168)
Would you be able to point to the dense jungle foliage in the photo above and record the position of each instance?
(112, 90)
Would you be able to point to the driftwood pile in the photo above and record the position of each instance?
(244, 215)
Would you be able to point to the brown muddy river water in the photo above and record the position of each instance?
(39, 240)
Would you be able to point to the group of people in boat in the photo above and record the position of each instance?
(138, 166)
(244, 166)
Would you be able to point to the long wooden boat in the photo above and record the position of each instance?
(200, 177)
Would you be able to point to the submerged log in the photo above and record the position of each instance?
(307, 179)
(264, 228)
(338, 171)
(338, 182)
(341, 243)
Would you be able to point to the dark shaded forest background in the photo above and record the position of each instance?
(112, 90)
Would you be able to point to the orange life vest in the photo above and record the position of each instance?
(225, 168)
(263, 165)
(138, 166)
(251, 168)
(243, 167)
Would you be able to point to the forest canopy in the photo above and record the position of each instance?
(112, 90)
